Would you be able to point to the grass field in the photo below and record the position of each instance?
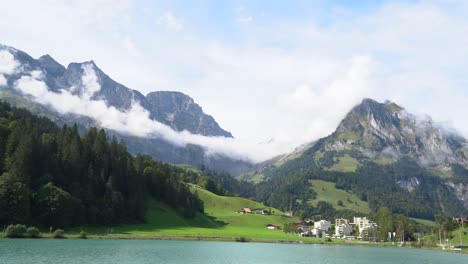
(345, 164)
(460, 236)
(252, 177)
(220, 220)
(327, 192)
(423, 221)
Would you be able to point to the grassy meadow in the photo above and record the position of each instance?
(221, 219)
(327, 192)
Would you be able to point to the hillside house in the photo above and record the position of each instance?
(289, 213)
(272, 226)
(245, 211)
(264, 212)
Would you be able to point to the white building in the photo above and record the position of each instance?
(363, 223)
(323, 225)
(316, 232)
(343, 230)
(341, 221)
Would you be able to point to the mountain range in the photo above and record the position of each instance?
(379, 152)
(173, 109)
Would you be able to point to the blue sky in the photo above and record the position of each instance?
(287, 70)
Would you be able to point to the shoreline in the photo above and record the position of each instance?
(235, 239)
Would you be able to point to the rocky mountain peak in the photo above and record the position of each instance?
(182, 113)
(377, 128)
(52, 67)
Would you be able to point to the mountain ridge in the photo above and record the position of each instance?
(86, 80)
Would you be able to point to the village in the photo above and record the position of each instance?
(360, 228)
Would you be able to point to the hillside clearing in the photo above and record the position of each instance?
(221, 219)
(327, 192)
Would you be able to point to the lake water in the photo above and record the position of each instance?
(25, 251)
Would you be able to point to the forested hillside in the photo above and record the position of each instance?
(52, 176)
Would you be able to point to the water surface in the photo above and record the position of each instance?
(25, 251)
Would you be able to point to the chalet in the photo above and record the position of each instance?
(264, 212)
(272, 226)
(246, 211)
(299, 223)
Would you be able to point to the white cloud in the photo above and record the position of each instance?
(3, 80)
(321, 108)
(171, 22)
(135, 121)
(89, 81)
(244, 19)
(8, 64)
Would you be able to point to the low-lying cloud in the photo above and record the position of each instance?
(136, 121)
(8, 65)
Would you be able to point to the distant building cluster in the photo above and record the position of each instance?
(359, 228)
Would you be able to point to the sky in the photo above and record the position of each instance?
(284, 72)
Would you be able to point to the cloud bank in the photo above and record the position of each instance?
(8, 65)
(136, 121)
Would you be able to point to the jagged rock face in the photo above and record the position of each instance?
(387, 129)
(182, 113)
(115, 94)
(174, 109)
(461, 191)
(409, 184)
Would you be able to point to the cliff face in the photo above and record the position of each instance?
(182, 113)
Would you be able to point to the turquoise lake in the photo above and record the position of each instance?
(24, 251)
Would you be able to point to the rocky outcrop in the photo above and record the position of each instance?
(180, 112)
(377, 129)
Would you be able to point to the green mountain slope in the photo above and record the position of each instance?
(327, 192)
(382, 154)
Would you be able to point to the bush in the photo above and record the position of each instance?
(242, 239)
(339, 202)
(33, 232)
(83, 235)
(59, 233)
(15, 231)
